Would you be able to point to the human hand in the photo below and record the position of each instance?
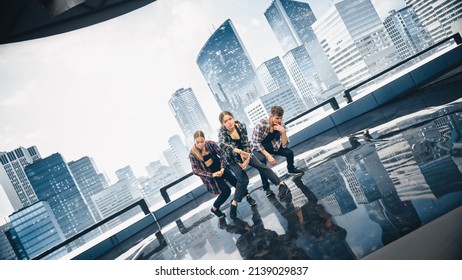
(244, 156)
(217, 174)
(279, 128)
(271, 159)
(245, 163)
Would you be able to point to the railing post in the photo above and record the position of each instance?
(457, 38)
(334, 104)
(347, 96)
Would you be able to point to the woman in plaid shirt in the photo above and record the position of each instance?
(234, 140)
(208, 161)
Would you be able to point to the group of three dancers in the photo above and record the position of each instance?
(216, 163)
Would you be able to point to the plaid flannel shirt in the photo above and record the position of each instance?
(200, 169)
(260, 132)
(228, 145)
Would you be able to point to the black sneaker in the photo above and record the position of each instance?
(269, 192)
(251, 201)
(283, 190)
(218, 213)
(295, 171)
(233, 211)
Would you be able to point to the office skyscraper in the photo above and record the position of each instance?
(180, 152)
(437, 16)
(279, 88)
(228, 70)
(89, 180)
(53, 182)
(35, 229)
(406, 32)
(13, 178)
(355, 41)
(116, 197)
(303, 72)
(291, 22)
(188, 113)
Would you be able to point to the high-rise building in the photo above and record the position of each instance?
(188, 113)
(7, 252)
(153, 168)
(437, 16)
(303, 72)
(35, 229)
(115, 198)
(13, 178)
(279, 88)
(228, 71)
(126, 173)
(53, 182)
(255, 112)
(406, 32)
(180, 152)
(355, 40)
(291, 22)
(89, 180)
(287, 98)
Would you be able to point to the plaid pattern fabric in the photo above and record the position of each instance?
(200, 169)
(260, 132)
(228, 145)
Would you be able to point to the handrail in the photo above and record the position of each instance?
(332, 101)
(142, 203)
(163, 190)
(346, 94)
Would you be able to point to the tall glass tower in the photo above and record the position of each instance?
(291, 23)
(53, 182)
(228, 70)
(89, 180)
(279, 87)
(189, 114)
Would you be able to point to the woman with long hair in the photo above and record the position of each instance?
(208, 161)
(234, 140)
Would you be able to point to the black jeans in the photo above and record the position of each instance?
(265, 171)
(229, 177)
(285, 152)
(242, 182)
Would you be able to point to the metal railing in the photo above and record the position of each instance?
(142, 203)
(347, 93)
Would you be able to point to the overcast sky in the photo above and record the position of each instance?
(102, 91)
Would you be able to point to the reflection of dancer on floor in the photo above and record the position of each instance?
(258, 243)
(208, 161)
(310, 219)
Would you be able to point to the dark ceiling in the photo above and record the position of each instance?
(22, 20)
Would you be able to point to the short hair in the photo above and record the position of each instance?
(223, 114)
(277, 110)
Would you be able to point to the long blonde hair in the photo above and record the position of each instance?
(198, 153)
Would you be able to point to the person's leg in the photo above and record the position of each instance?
(222, 197)
(268, 173)
(289, 155)
(256, 160)
(242, 182)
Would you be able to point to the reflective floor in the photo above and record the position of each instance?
(357, 194)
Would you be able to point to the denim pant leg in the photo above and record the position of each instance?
(265, 171)
(242, 182)
(225, 193)
(288, 154)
